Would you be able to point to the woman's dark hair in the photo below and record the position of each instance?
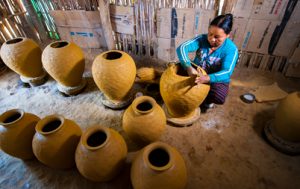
(224, 22)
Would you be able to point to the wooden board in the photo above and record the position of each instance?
(269, 93)
(122, 19)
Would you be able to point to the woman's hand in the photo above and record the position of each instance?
(202, 79)
(192, 71)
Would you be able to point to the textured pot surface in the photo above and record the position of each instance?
(101, 153)
(146, 74)
(23, 56)
(114, 73)
(65, 62)
(158, 166)
(287, 118)
(55, 141)
(144, 120)
(179, 91)
(16, 132)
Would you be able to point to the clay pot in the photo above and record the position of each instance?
(287, 118)
(16, 133)
(180, 93)
(114, 73)
(158, 166)
(101, 153)
(23, 56)
(64, 61)
(144, 120)
(146, 74)
(55, 141)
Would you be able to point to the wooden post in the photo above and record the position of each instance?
(106, 24)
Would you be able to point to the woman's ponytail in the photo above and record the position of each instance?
(223, 21)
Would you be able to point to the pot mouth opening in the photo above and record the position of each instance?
(96, 139)
(59, 44)
(11, 117)
(180, 71)
(52, 125)
(159, 158)
(13, 41)
(112, 55)
(144, 106)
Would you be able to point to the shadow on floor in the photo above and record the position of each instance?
(90, 85)
(261, 119)
(42, 177)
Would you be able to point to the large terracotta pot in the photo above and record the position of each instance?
(144, 120)
(180, 93)
(114, 73)
(55, 141)
(16, 133)
(158, 166)
(65, 62)
(100, 154)
(23, 56)
(287, 118)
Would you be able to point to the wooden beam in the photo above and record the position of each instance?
(106, 24)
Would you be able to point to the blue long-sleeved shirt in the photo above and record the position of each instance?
(219, 64)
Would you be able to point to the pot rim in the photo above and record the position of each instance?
(8, 113)
(174, 69)
(175, 66)
(16, 38)
(90, 131)
(48, 119)
(140, 100)
(106, 52)
(154, 146)
(62, 41)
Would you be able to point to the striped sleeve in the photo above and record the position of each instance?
(228, 64)
(184, 49)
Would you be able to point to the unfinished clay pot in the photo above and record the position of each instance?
(16, 133)
(101, 153)
(287, 118)
(65, 62)
(144, 120)
(114, 73)
(23, 56)
(180, 93)
(55, 141)
(158, 166)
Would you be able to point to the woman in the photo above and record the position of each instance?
(216, 54)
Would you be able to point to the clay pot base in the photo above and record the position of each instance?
(282, 145)
(72, 90)
(115, 105)
(184, 121)
(35, 81)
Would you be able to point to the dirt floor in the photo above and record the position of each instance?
(224, 149)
